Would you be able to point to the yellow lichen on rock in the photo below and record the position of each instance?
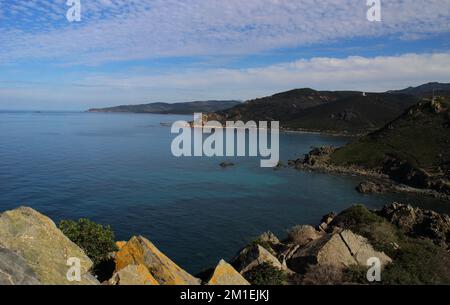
(120, 244)
(133, 275)
(225, 274)
(140, 251)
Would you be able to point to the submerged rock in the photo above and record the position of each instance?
(225, 274)
(226, 164)
(43, 247)
(14, 270)
(140, 251)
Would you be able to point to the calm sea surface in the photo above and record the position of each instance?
(118, 169)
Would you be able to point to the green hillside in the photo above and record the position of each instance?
(414, 148)
(323, 111)
(176, 108)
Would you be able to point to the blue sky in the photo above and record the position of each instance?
(139, 51)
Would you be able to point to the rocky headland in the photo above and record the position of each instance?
(411, 244)
(409, 154)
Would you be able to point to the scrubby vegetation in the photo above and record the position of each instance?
(419, 138)
(263, 243)
(96, 240)
(266, 274)
(323, 275)
(415, 261)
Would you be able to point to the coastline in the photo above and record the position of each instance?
(376, 183)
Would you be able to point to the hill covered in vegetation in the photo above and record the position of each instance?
(177, 108)
(413, 149)
(341, 112)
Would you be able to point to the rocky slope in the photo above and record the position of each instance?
(410, 153)
(411, 244)
(321, 111)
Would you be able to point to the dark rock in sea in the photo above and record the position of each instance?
(373, 187)
(226, 164)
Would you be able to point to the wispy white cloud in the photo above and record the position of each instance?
(353, 73)
(118, 30)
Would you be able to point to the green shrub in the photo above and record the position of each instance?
(323, 275)
(266, 274)
(96, 240)
(418, 262)
(355, 274)
(415, 261)
(380, 233)
(263, 243)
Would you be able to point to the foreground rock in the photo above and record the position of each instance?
(140, 251)
(133, 275)
(42, 246)
(225, 274)
(338, 250)
(14, 270)
(302, 235)
(253, 256)
(417, 222)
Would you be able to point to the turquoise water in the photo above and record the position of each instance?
(118, 169)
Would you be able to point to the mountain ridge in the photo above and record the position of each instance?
(175, 108)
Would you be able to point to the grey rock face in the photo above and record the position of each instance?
(14, 270)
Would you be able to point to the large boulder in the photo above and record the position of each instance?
(419, 223)
(253, 256)
(269, 237)
(133, 275)
(43, 247)
(225, 274)
(140, 251)
(14, 270)
(302, 235)
(338, 250)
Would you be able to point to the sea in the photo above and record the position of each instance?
(118, 170)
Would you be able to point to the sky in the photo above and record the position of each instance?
(142, 51)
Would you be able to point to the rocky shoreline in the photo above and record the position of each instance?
(34, 251)
(318, 160)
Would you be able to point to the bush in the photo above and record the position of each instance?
(380, 233)
(418, 262)
(355, 274)
(96, 240)
(323, 275)
(263, 243)
(266, 274)
(415, 261)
